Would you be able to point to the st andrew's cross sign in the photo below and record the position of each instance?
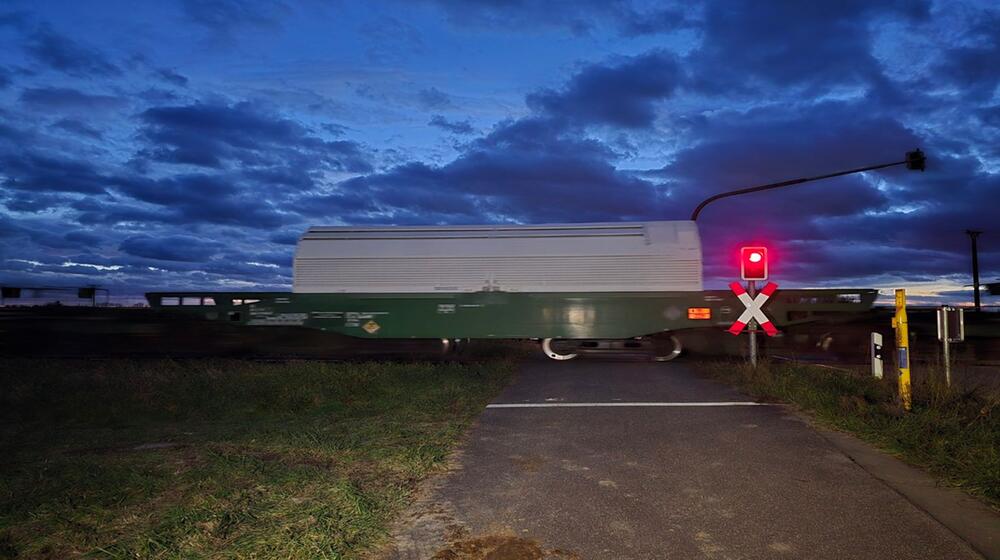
(753, 308)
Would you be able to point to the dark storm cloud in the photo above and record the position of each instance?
(578, 17)
(809, 44)
(222, 16)
(78, 128)
(16, 20)
(777, 143)
(190, 199)
(219, 191)
(208, 135)
(335, 129)
(623, 94)
(35, 183)
(895, 222)
(869, 260)
(433, 98)
(182, 248)
(390, 40)
(990, 116)
(158, 96)
(178, 190)
(288, 237)
(61, 53)
(454, 127)
(83, 237)
(28, 171)
(68, 99)
(347, 156)
(172, 77)
(36, 234)
(12, 135)
(127, 273)
(542, 135)
(526, 170)
(934, 210)
(972, 67)
(283, 176)
(20, 201)
(238, 126)
(104, 214)
(656, 21)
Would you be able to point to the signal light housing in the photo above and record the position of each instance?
(753, 263)
(916, 161)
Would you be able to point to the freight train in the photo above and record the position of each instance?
(575, 288)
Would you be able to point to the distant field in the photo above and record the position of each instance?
(222, 458)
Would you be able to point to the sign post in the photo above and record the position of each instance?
(753, 314)
(753, 267)
(752, 325)
(899, 323)
(951, 328)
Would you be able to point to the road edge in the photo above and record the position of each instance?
(968, 518)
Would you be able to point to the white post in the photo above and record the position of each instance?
(945, 336)
(877, 355)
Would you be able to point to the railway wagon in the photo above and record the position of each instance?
(573, 287)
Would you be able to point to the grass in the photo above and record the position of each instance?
(222, 459)
(952, 433)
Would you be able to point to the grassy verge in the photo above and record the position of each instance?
(221, 459)
(954, 434)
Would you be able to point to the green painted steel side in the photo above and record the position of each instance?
(506, 314)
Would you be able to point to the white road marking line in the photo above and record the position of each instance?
(622, 404)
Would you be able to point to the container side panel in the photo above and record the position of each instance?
(620, 257)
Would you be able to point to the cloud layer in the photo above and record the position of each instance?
(139, 162)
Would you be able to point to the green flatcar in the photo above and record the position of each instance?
(571, 286)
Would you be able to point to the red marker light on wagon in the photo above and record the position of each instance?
(753, 263)
(699, 313)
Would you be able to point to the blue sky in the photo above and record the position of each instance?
(186, 145)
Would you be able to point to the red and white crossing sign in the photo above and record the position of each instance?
(753, 308)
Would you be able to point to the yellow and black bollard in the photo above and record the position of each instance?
(903, 349)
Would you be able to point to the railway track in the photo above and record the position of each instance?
(67, 332)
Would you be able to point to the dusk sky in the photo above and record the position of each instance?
(187, 145)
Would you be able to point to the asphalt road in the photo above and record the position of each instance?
(717, 482)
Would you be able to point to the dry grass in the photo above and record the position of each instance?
(213, 458)
(953, 433)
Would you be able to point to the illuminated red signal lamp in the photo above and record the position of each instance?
(753, 263)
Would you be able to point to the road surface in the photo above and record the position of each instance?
(694, 471)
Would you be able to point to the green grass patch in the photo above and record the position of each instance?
(222, 458)
(952, 433)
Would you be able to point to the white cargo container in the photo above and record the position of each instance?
(661, 256)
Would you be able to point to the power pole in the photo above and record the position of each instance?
(975, 266)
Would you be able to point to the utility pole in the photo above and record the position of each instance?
(975, 266)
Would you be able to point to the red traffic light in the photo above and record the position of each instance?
(753, 263)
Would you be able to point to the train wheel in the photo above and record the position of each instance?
(552, 349)
(666, 349)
